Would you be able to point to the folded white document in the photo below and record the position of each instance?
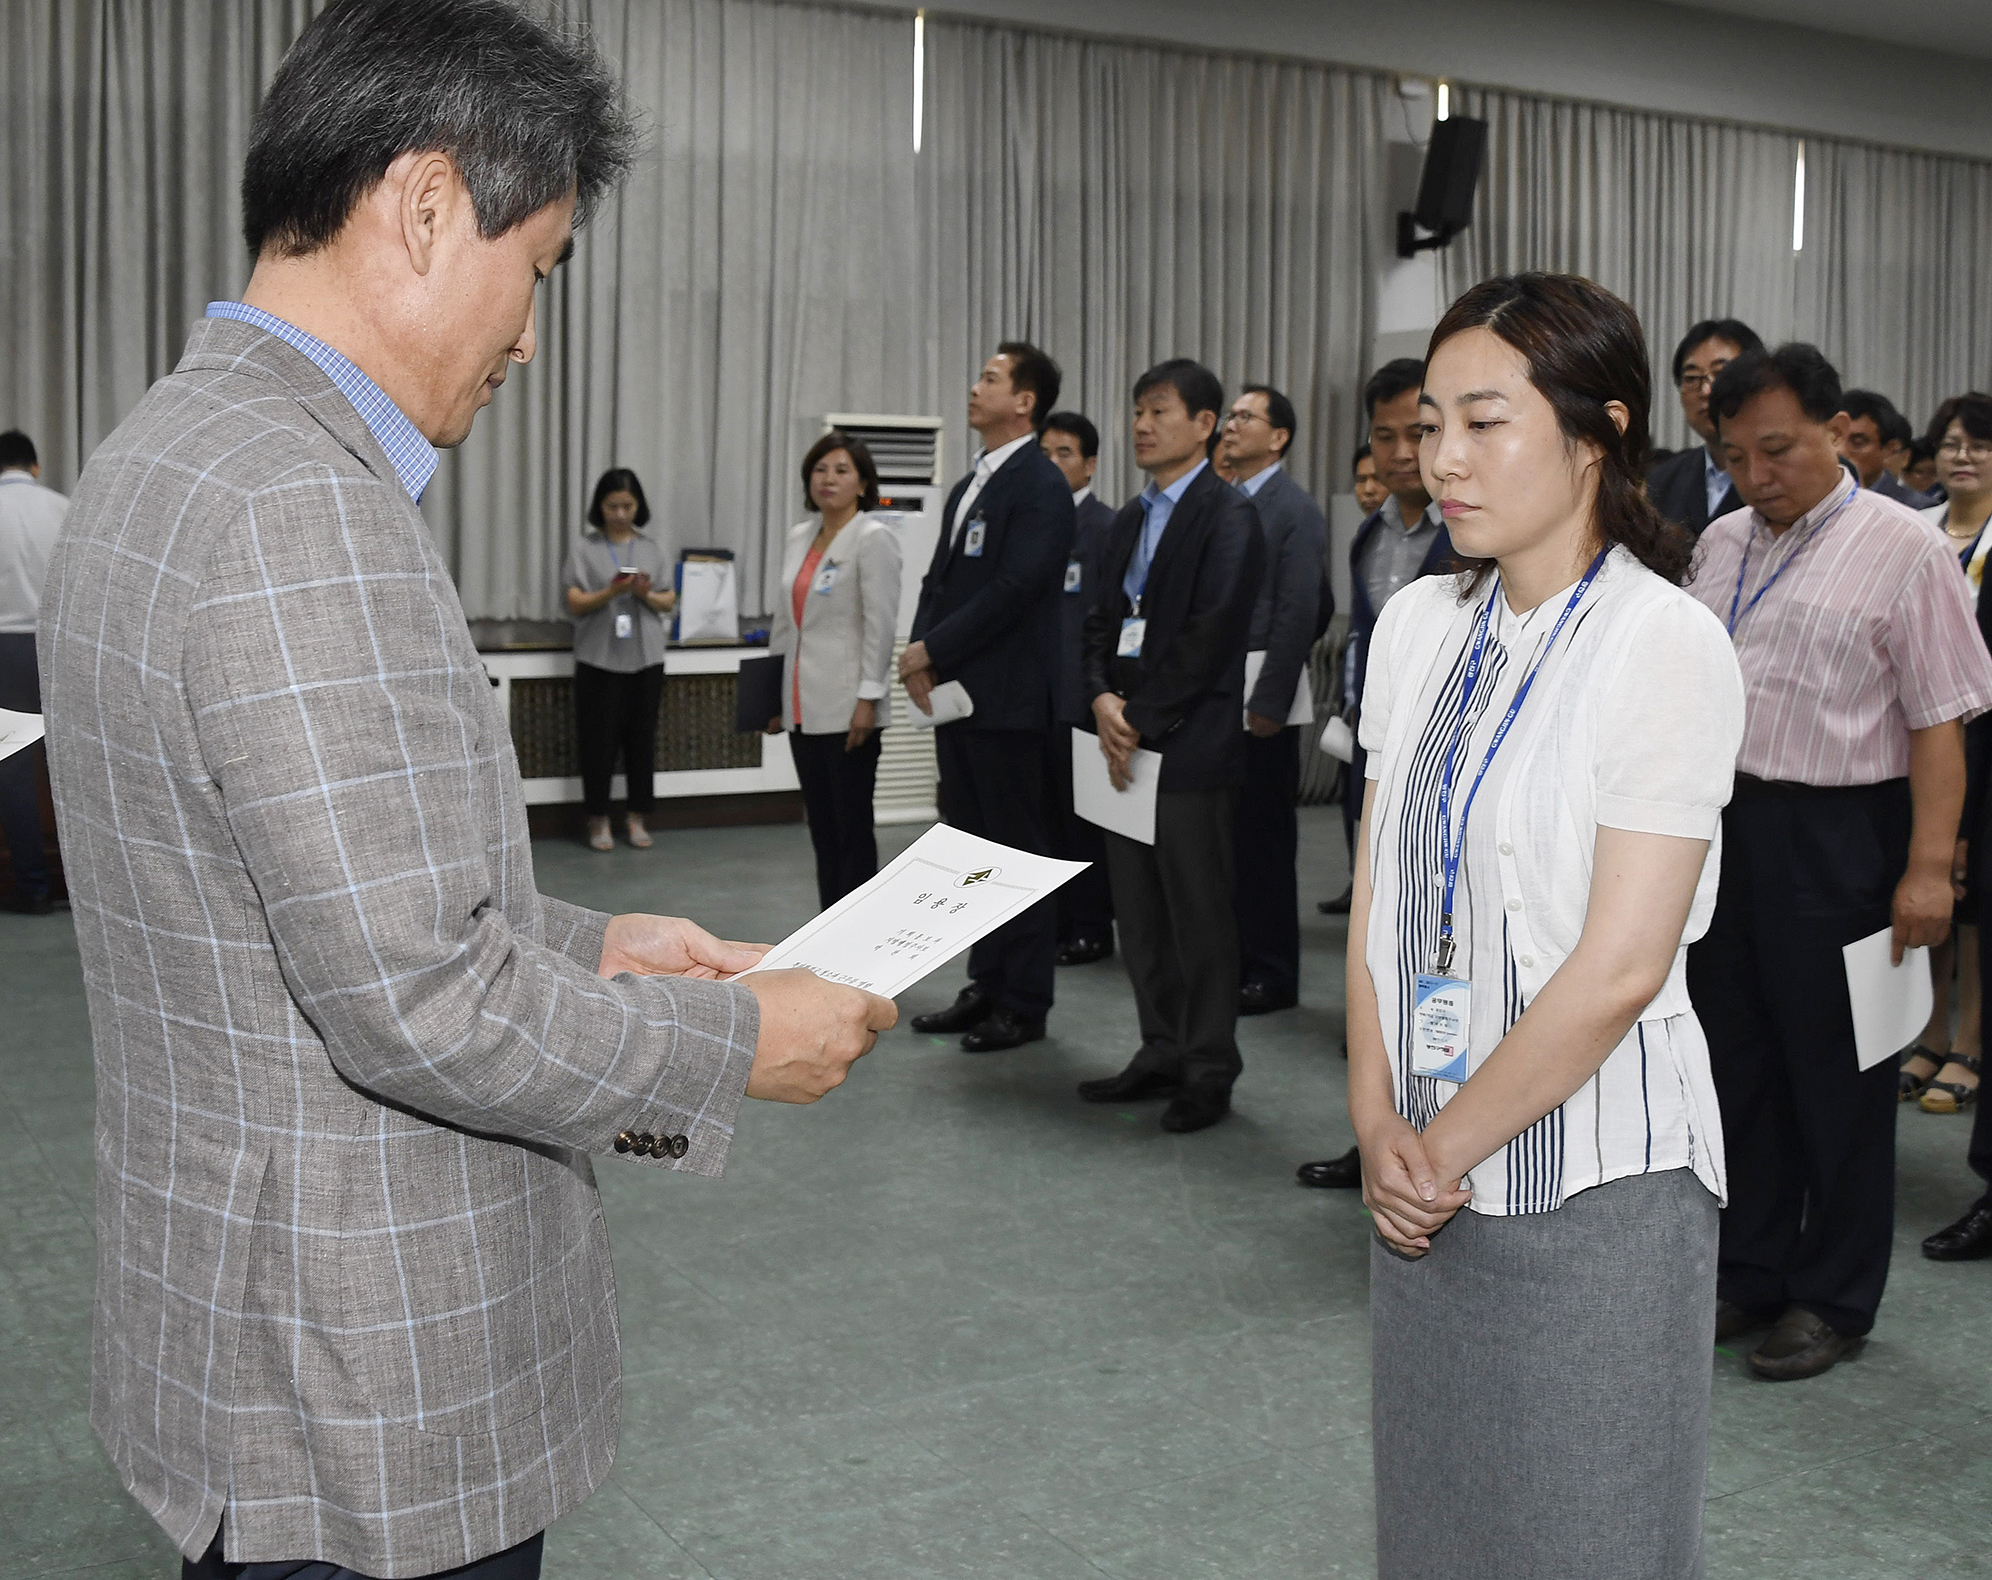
(943, 892)
(1338, 740)
(1302, 711)
(950, 701)
(1130, 812)
(1891, 1002)
(18, 731)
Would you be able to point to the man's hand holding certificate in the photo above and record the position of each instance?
(941, 894)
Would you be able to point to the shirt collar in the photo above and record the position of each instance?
(413, 458)
(988, 462)
(1174, 492)
(1393, 513)
(17, 475)
(1258, 480)
(1712, 468)
(1082, 496)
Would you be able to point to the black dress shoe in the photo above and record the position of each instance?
(1084, 951)
(1733, 1321)
(1343, 1173)
(1339, 906)
(1967, 1240)
(1130, 1086)
(1801, 1345)
(1195, 1110)
(1255, 998)
(970, 1008)
(1002, 1030)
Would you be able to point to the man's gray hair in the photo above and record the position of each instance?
(526, 109)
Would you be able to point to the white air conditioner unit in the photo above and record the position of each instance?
(907, 453)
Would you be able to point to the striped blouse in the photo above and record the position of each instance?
(1867, 634)
(1633, 722)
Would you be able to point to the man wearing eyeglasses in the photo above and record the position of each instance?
(1691, 489)
(1293, 607)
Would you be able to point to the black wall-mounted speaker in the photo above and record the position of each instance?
(1445, 192)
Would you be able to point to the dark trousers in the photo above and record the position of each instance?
(20, 775)
(1086, 904)
(1266, 851)
(514, 1563)
(1980, 1154)
(837, 799)
(615, 715)
(992, 784)
(1173, 902)
(1810, 1138)
(1352, 799)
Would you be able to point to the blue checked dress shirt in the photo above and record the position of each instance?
(413, 458)
(1157, 506)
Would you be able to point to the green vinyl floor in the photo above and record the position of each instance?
(951, 1322)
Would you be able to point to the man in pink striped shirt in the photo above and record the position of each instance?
(1861, 663)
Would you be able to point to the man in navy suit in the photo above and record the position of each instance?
(1691, 489)
(1403, 539)
(1086, 903)
(1293, 608)
(988, 618)
(1877, 442)
(1165, 671)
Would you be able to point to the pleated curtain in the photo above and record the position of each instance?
(1119, 205)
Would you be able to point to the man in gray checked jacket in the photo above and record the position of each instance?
(354, 1303)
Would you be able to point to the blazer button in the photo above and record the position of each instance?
(679, 1146)
(644, 1142)
(625, 1141)
(660, 1147)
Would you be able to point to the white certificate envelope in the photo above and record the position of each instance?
(946, 890)
(950, 701)
(1130, 811)
(1891, 1002)
(1302, 711)
(18, 731)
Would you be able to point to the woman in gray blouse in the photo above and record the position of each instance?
(835, 610)
(618, 592)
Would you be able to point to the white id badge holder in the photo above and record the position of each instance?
(971, 543)
(1440, 1017)
(1133, 629)
(826, 579)
(625, 626)
(1074, 572)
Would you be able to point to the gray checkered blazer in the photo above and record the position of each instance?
(353, 1284)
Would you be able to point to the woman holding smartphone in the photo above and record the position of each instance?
(1552, 735)
(618, 592)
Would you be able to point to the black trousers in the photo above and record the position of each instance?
(20, 775)
(1352, 797)
(1086, 904)
(615, 715)
(1266, 851)
(992, 782)
(1980, 1154)
(1810, 1138)
(514, 1563)
(1173, 902)
(837, 799)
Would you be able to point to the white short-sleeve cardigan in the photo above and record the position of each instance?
(1633, 722)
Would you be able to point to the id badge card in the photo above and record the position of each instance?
(1439, 1021)
(1133, 630)
(971, 543)
(624, 624)
(826, 579)
(1073, 574)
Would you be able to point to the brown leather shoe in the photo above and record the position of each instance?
(1801, 1345)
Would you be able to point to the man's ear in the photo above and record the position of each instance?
(426, 191)
(1839, 425)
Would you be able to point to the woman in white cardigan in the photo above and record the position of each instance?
(834, 624)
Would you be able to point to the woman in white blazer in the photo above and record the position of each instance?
(834, 624)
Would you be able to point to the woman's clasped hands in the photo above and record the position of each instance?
(1404, 1187)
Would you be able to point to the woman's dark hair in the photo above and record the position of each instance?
(617, 480)
(526, 110)
(1973, 412)
(833, 441)
(1584, 347)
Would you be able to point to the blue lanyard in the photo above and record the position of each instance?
(1450, 850)
(1743, 570)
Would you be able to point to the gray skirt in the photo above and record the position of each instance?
(1542, 1390)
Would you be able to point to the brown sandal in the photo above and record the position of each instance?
(1909, 1084)
(1952, 1097)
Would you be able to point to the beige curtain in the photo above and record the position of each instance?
(1119, 205)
